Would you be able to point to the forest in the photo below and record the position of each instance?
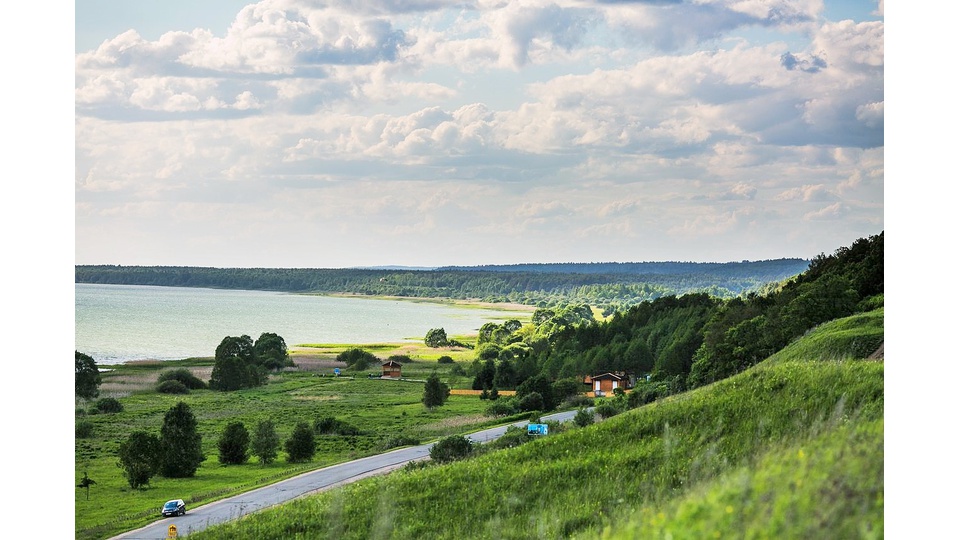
(608, 286)
(676, 343)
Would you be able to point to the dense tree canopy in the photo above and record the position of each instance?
(436, 337)
(236, 364)
(271, 352)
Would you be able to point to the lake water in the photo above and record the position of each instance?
(117, 323)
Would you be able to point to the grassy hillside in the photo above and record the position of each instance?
(791, 448)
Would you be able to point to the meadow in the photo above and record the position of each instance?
(790, 448)
(381, 409)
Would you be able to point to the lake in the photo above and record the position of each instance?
(118, 323)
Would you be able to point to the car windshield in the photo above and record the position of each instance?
(170, 505)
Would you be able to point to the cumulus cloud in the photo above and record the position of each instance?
(833, 212)
(539, 119)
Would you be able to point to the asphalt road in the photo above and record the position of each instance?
(199, 518)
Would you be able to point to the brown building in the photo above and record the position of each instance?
(391, 368)
(606, 383)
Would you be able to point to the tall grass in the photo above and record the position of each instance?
(788, 449)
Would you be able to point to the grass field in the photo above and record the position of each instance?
(381, 409)
(791, 448)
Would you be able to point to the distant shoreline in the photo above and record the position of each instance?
(500, 306)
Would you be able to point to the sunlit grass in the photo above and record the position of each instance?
(788, 449)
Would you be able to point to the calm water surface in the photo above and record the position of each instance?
(117, 323)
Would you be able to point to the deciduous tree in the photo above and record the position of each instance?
(86, 376)
(139, 458)
(436, 337)
(265, 442)
(301, 445)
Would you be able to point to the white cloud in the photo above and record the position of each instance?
(532, 129)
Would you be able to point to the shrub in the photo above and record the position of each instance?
(583, 418)
(108, 405)
(513, 437)
(401, 358)
(531, 402)
(484, 394)
(607, 410)
(457, 370)
(502, 407)
(329, 425)
(84, 429)
(451, 449)
(445, 360)
(578, 401)
(301, 446)
(398, 440)
(357, 359)
(183, 375)
(172, 387)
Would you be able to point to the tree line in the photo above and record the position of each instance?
(675, 342)
(612, 286)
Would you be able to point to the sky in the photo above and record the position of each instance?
(302, 133)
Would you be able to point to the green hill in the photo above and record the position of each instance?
(789, 448)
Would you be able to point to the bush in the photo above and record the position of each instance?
(445, 360)
(183, 375)
(397, 441)
(502, 407)
(84, 429)
(357, 359)
(513, 437)
(451, 449)
(108, 405)
(531, 402)
(578, 401)
(457, 370)
(583, 418)
(401, 358)
(329, 425)
(607, 410)
(172, 387)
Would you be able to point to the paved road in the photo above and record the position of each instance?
(197, 519)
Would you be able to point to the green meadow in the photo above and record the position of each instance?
(382, 410)
(790, 448)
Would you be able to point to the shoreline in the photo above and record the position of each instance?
(475, 303)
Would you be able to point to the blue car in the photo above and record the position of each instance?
(174, 508)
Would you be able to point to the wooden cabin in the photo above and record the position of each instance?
(391, 368)
(606, 383)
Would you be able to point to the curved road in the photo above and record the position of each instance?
(197, 519)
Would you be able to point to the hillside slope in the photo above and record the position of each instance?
(791, 448)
